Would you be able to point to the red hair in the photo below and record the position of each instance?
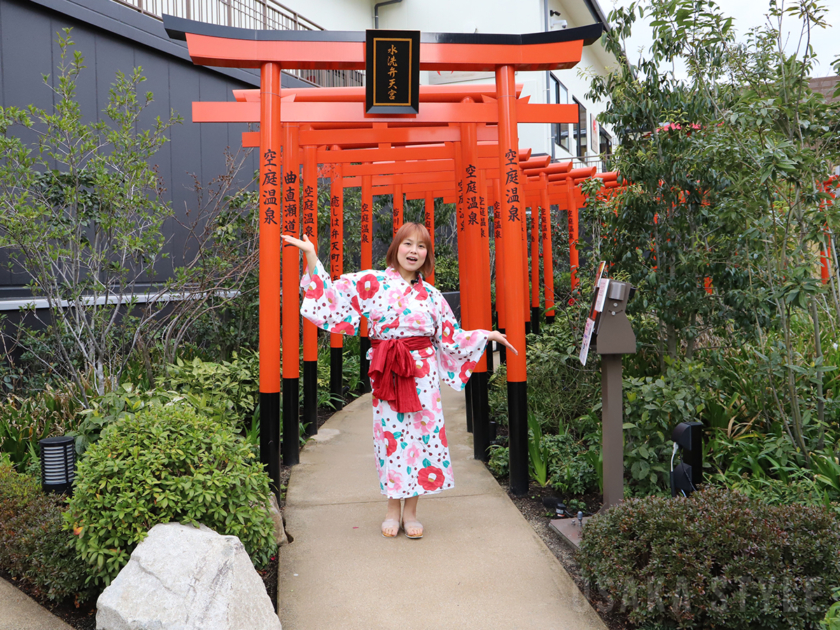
(408, 230)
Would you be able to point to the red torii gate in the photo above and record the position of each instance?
(270, 51)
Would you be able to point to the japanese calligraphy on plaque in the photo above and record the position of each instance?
(392, 77)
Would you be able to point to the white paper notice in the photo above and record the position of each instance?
(602, 294)
(587, 337)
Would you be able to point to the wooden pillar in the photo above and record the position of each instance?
(535, 266)
(367, 263)
(429, 220)
(398, 204)
(511, 220)
(336, 269)
(269, 308)
(310, 331)
(291, 297)
(548, 250)
(501, 316)
(573, 231)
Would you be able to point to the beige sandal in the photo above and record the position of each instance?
(388, 524)
(413, 525)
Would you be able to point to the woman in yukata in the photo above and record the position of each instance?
(415, 343)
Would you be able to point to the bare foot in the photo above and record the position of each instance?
(413, 529)
(391, 524)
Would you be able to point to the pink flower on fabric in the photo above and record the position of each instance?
(318, 321)
(415, 321)
(394, 296)
(344, 328)
(378, 434)
(466, 370)
(431, 478)
(447, 362)
(376, 315)
(466, 338)
(354, 302)
(342, 285)
(421, 368)
(424, 421)
(315, 289)
(367, 286)
(442, 436)
(412, 454)
(394, 480)
(392, 443)
(332, 300)
(448, 329)
(436, 405)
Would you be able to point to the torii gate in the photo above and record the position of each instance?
(502, 54)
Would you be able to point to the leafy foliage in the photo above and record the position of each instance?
(164, 464)
(33, 544)
(715, 560)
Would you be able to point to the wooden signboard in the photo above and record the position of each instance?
(392, 76)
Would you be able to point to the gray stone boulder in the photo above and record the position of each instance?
(187, 578)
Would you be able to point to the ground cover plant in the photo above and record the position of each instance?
(715, 560)
(33, 544)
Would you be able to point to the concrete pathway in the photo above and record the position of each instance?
(479, 565)
(18, 611)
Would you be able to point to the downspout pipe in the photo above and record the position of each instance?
(382, 4)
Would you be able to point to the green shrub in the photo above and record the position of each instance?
(652, 408)
(25, 421)
(570, 467)
(715, 560)
(499, 462)
(33, 544)
(231, 387)
(163, 464)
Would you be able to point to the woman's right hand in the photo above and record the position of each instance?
(305, 245)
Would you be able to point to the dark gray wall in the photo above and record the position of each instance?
(113, 37)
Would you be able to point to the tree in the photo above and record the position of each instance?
(81, 214)
(731, 161)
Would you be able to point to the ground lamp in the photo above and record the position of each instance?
(58, 464)
(688, 475)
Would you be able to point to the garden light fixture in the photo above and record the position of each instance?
(58, 464)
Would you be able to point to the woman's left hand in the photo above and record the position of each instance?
(498, 337)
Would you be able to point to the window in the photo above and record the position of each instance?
(561, 97)
(606, 143)
(580, 131)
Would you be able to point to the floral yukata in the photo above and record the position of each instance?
(411, 452)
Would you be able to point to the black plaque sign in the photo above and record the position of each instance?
(392, 79)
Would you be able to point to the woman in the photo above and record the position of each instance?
(415, 342)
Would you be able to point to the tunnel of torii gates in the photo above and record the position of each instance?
(462, 147)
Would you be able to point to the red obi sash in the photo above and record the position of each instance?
(392, 369)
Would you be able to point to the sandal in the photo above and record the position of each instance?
(413, 525)
(388, 524)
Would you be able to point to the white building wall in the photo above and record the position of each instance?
(486, 16)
